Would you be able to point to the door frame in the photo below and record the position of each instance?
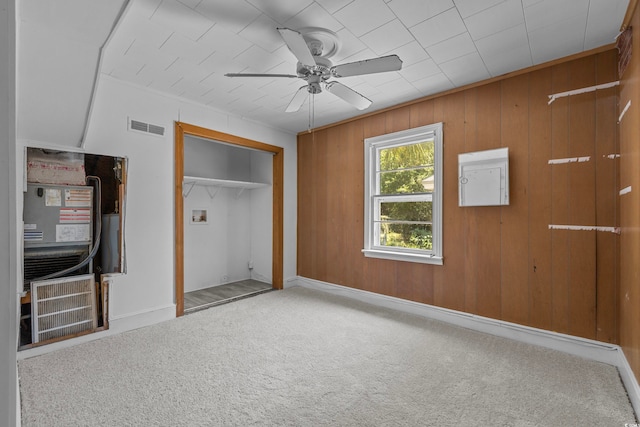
(182, 129)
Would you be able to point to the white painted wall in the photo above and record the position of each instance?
(219, 252)
(9, 400)
(262, 219)
(148, 285)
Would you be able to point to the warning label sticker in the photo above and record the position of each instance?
(77, 197)
(74, 216)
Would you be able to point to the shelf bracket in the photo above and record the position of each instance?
(215, 191)
(184, 185)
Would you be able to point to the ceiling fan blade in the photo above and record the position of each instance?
(368, 66)
(290, 76)
(348, 94)
(297, 100)
(298, 46)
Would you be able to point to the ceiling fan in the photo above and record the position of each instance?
(313, 47)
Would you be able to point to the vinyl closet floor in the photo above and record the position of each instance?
(216, 295)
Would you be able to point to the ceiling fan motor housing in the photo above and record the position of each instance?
(321, 68)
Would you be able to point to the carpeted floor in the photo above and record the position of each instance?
(305, 358)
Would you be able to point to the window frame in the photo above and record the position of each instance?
(373, 198)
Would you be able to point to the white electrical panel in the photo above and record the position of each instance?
(483, 178)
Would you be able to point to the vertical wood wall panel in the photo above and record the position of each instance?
(397, 120)
(560, 190)
(354, 202)
(305, 227)
(470, 213)
(499, 262)
(607, 206)
(449, 285)
(320, 205)
(421, 114)
(338, 159)
(582, 261)
(629, 291)
(514, 262)
(488, 293)
(540, 195)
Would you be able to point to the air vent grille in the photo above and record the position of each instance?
(41, 263)
(139, 126)
(157, 130)
(63, 307)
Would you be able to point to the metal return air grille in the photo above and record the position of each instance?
(41, 263)
(62, 307)
(139, 126)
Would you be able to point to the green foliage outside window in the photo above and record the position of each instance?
(403, 170)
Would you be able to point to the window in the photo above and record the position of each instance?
(403, 195)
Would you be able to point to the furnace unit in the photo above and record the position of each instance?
(58, 238)
(58, 228)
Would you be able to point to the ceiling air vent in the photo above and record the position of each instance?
(138, 126)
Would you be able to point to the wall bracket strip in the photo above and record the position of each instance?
(624, 111)
(583, 90)
(569, 160)
(615, 230)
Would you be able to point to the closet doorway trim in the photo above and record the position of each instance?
(182, 129)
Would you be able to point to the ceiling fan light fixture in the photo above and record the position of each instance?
(314, 87)
(328, 40)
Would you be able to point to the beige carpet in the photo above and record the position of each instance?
(304, 358)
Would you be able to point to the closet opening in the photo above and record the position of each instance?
(228, 217)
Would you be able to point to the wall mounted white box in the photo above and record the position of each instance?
(483, 178)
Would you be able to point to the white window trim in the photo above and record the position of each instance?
(371, 145)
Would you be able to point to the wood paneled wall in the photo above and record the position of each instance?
(630, 203)
(499, 262)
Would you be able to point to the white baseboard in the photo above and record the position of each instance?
(589, 349)
(130, 321)
(117, 325)
(630, 381)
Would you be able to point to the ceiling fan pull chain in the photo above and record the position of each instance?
(312, 113)
(309, 112)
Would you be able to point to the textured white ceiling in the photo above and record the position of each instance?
(184, 47)
(58, 49)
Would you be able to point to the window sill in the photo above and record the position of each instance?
(401, 256)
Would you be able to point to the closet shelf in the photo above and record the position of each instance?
(192, 181)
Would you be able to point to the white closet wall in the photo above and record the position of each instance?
(219, 251)
(262, 217)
